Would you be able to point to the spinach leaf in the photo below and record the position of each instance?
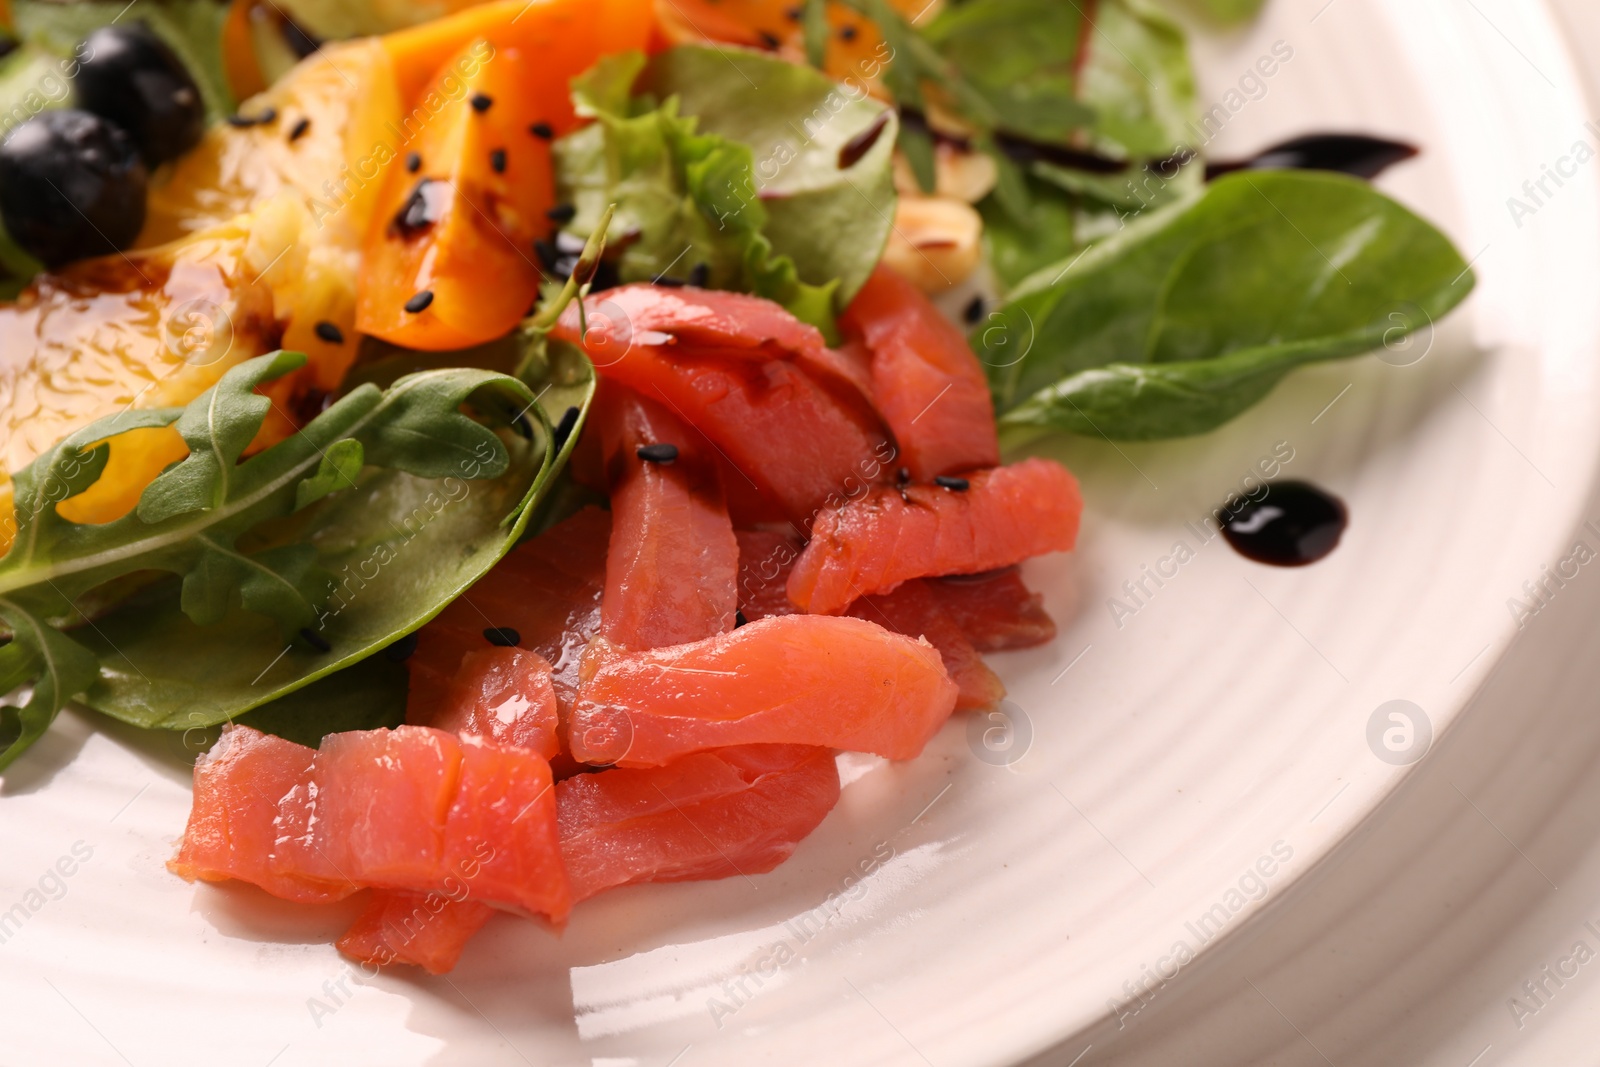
(1137, 78)
(398, 547)
(690, 194)
(1194, 312)
(1021, 57)
(368, 696)
(1228, 11)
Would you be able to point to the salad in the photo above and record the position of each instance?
(518, 444)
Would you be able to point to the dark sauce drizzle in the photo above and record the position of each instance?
(1347, 153)
(1294, 524)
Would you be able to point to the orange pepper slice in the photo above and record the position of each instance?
(558, 38)
(448, 260)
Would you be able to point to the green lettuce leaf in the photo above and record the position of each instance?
(1192, 313)
(684, 176)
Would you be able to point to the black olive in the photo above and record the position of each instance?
(132, 77)
(72, 185)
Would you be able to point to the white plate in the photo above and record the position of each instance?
(1006, 907)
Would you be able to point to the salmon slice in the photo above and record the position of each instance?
(832, 682)
(428, 930)
(995, 610)
(411, 807)
(1001, 517)
(913, 610)
(502, 695)
(547, 590)
(672, 561)
(926, 382)
(237, 787)
(765, 560)
(737, 810)
(800, 438)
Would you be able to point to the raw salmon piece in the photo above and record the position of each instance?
(926, 382)
(995, 610)
(714, 321)
(672, 561)
(372, 810)
(237, 787)
(1004, 516)
(500, 837)
(548, 590)
(913, 610)
(795, 679)
(765, 560)
(502, 695)
(419, 809)
(738, 810)
(429, 930)
(802, 438)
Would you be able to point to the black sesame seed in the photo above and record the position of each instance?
(497, 160)
(401, 650)
(315, 640)
(902, 476)
(562, 214)
(300, 129)
(668, 282)
(420, 302)
(769, 40)
(413, 161)
(482, 102)
(847, 33)
(794, 14)
(241, 122)
(957, 485)
(502, 636)
(330, 333)
(268, 115)
(658, 453)
(542, 130)
(974, 309)
(549, 255)
(421, 209)
(699, 275)
(569, 419)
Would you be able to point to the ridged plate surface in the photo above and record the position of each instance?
(1219, 729)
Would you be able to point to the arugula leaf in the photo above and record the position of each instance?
(398, 548)
(192, 520)
(687, 199)
(1194, 312)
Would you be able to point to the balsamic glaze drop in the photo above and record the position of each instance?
(1347, 153)
(1292, 525)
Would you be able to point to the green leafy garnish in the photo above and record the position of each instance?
(1195, 311)
(727, 180)
(199, 519)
